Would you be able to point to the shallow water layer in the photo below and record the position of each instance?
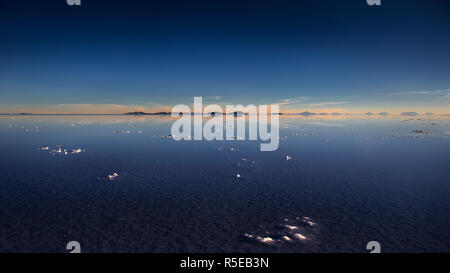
(120, 184)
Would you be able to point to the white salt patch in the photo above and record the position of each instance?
(113, 176)
(77, 151)
(291, 227)
(299, 236)
(266, 240)
(308, 221)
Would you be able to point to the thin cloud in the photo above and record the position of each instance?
(290, 101)
(319, 104)
(214, 98)
(444, 92)
(97, 108)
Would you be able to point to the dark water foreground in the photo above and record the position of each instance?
(117, 184)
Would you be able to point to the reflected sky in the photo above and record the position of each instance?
(348, 181)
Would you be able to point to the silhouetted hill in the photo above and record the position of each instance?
(147, 114)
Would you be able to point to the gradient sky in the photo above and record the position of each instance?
(115, 56)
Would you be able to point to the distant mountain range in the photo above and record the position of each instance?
(238, 113)
(148, 114)
(138, 113)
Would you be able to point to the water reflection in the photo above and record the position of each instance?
(125, 186)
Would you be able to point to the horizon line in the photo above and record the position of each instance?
(305, 113)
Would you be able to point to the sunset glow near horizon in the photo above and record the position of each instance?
(345, 57)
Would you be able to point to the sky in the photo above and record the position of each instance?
(319, 56)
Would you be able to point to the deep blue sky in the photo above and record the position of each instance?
(305, 54)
